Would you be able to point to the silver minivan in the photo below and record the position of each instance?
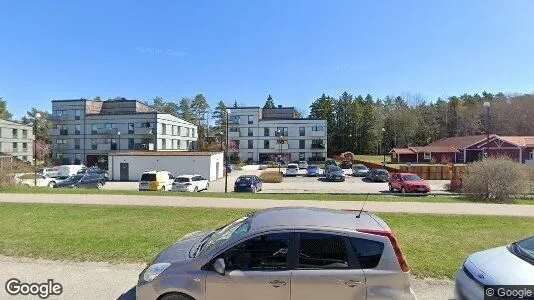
(283, 254)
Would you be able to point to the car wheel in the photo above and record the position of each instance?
(99, 185)
(52, 184)
(254, 190)
(391, 189)
(162, 188)
(195, 189)
(207, 186)
(403, 190)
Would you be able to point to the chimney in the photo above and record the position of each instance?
(279, 106)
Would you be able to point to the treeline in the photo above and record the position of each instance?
(365, 125)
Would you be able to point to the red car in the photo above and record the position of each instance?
(407, 183)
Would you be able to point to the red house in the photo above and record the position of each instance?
(468, 149)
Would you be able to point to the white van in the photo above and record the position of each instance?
(69, 170)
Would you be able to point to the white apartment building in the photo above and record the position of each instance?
(86, 131)
(253, 135)
(16, 140)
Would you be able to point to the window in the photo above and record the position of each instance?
(77, 114)
(186, 131)
(250, 144)
(266, 131)
(77, 144)
(234, 119)
(193, 132)
(367, 251)
(15, 147)
(174, 127)
(24, 133)
(94, 144)
(163, 129)
(77, 129)
(130, 128)
(251, 119)
(262, 253)
(250, 132)
(15, 133)
(24, 146)
(318, 128)
(163, 143)
(282, 130)
(427, 156)
(302, 144)
(145, 125)
(179, 131)
(266, 144)
(77, 158)
(63, 129)
(322, 251)
(111, 125)
(317, 144)
(131, 144)
(233, 129)
(94, 128)
(302, 131)
(394, 154)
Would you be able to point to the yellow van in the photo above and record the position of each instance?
(156, 181)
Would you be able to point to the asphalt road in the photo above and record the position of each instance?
(183, 201)
(98, 280)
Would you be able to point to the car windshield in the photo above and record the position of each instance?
(382, 172)
(182, 179)
(243, 180)
(292, 167)
(231, 231)
(335, 169)
(411, 178)
(148, 177)
(312, 167)
(360, 167)
(525, 249)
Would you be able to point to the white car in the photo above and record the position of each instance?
(292, 170)
(190, 183)
(303, 164)
(69, 170)
(28, 179)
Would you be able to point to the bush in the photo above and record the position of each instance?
(497, 179)
(271, 177)
(455, 186)
(8, 170)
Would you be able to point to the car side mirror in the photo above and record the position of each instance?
(219, 266)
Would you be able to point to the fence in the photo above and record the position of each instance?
(435, 172)
(375, 166)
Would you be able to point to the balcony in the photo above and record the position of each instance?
(144, 130)
(56, 117)
(142, 146)
(318, 133)
(107, 131)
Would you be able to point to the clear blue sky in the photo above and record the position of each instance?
(245, 50)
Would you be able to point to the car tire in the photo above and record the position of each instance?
(254, 190)
(403, 190)
(207, 186)
(162, 189)
(175, 296)
(99, 185)
(391, 189)
(52, 184)
(195, 190)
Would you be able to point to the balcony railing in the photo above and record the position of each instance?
(107, 131)
(318, 133)
(141, 146)
(56, 117)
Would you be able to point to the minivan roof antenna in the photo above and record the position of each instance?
(363, 205)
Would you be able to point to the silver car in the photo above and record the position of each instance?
(508, 265)
(283, 254)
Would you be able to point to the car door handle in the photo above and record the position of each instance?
(353, 283)
(277, 283)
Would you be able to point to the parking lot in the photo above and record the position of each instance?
(299, 184)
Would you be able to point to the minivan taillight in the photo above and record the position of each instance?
(400, 256)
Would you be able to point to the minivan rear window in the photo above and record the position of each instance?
(367, 251)
(182, 179)
(148, 177)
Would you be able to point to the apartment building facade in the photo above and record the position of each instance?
(86, 131)
(16, 140)
(257, 134)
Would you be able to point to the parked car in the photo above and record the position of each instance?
(345, 165)
(292, 170)
(503, 266)
(360, 170)
(48, 172)
(303, 165)
(407, 183)
(156, 181)
(28, 179)
(264, 165)
(190, 183)
(94, 170)
(312, 170)
(330, 162)
(335, 174)
(65, 171)
(283, 253)
(377, 175)
(88, 181)
(248, 183)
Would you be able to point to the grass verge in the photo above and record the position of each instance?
(435, 245)
(281, 196)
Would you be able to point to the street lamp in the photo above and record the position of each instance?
(280, 136)
(119, 140)
(382, 144)
(226, 158)
(487, 106)
(221, 136)
(37, 116)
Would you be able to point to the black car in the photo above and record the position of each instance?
(88, 181)
(334, 173)
(94, 170)
(346, 165)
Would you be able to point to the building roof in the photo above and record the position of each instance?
(243, 107)
(461, 142)
(434, 149)
(519, 140)
(163, 153)
(14, 123)
(402, 151)
(529, 141)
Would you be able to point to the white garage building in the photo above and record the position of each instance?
(128, 166)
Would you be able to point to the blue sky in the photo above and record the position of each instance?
(244, 50)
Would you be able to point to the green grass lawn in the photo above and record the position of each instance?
(435, 245)
(377, 159)
(281, 196)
